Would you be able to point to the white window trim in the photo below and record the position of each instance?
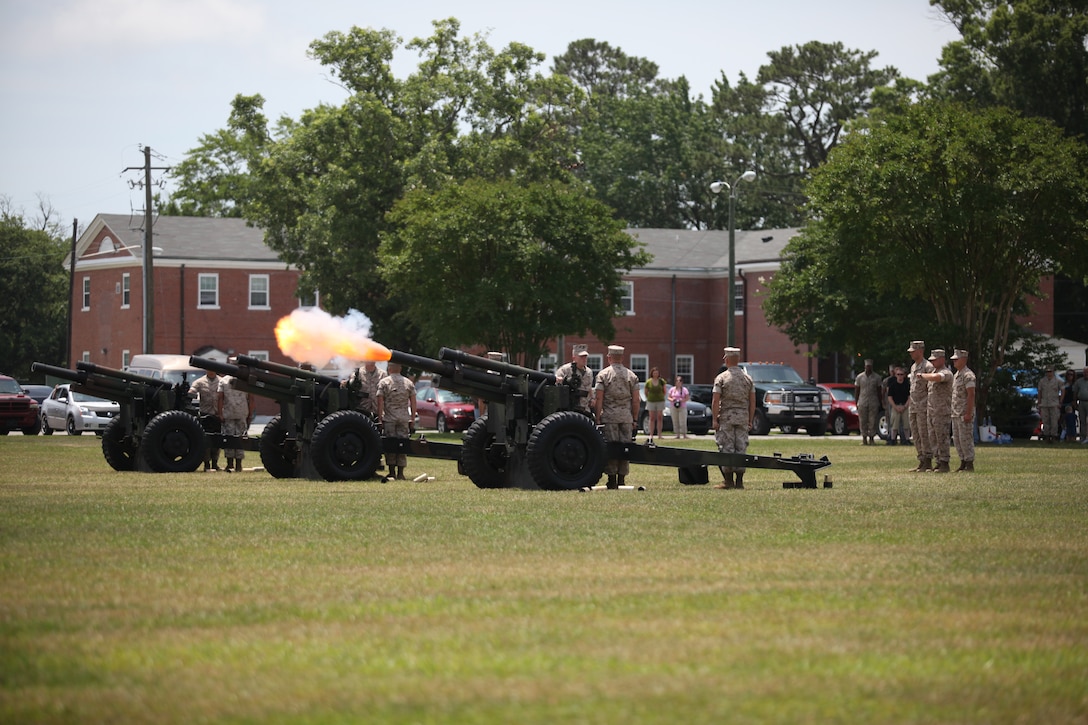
(86, 295)
(628, 310)
(688, 363)
(200, 290)
(126, 290)
(738, 297)
(640, 365)
(267, 292)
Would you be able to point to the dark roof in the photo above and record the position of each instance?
(696, 250)
(196, 238)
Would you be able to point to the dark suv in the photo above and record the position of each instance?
(18, 411)
(784, 399)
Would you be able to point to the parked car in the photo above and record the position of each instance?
(784, 399)
(444, 410)
(37, 392)
(75, 412)
(698, 414)
(18, 411)
(843, 417)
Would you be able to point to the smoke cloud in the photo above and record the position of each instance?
(311, 335)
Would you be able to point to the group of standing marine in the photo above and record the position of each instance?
(939, 399)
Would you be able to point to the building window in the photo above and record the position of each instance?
(126, 290)
(738, 297)
(86, 356)
(595, 363)
(126, 358)
(546, 364)
(309, 299)
(685, 368)
(259, 354)
(627, 299)
(640, 365)
(258, 292)
(86, 294)
(209, 291)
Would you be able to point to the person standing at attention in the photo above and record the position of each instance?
(579, 377)
(655, 405)
(236, 412)
(207, 393)
(1050, 402)
(397, 414)
(732, 410)
(963, 412)
(939, 409)
(919, 406)
(616, 408)
(867, 392)
(678, 407)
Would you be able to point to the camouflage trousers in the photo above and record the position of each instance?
(732, 439)
(940, 440)
(396, 429)
(617, 433)
(1051, 420)
(234, 427)
(919, 430)
(869, 419)
(964, 436)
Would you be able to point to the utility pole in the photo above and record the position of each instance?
(148, 264)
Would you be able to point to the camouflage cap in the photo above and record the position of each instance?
(936, 353)
(958, 353)
(615, 349)
(917, 345)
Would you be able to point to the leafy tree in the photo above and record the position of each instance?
(963, 211)
(1030, 55)
(33, 294)
(507, 266)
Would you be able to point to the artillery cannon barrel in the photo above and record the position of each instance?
(293, 372)
(76, 376)
(477, 382)
(220, 368)
(498, 366)
(104, 371)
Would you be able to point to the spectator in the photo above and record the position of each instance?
(655, 405)
(397, 415)
(1080, 394)
(897, 402)
(580, 378)
(207, 392)
(919, 406)
(939, 409)
(678, 407)
(616, 408)
(867, 392)
(963, 412)
(1050, 402)
(732, 412)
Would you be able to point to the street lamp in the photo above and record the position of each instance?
(717, 187)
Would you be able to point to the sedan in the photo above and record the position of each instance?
(843, 417)
(444, 410)
(76, 412)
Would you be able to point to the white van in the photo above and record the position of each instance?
(174, 368)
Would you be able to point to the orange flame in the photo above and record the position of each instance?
(314, 336)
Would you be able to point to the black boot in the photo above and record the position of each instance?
(400, 473)
(612, 481)
(740, 480)
(727, 482)
(619, 480)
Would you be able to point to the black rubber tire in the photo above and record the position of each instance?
(440, 424)
(120, 452)
(838, 425)
(33, 430)
(566, 452)
(46, 430)
(70, 426)
(816, 429)
(279, 456)
(484, 464)
(760, 425)
(346, 446)
(173, 442)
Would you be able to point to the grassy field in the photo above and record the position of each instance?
(891, 597)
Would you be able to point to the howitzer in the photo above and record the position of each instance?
(156, 429)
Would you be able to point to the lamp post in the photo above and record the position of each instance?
(717, 187)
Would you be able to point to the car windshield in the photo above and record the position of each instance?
(448, 396)
(84, 398)
(774, 374)
(10, 386)
(842, 394)
(177, 376)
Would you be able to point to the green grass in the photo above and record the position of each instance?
(891, 597)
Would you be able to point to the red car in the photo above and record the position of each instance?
(444, 410)
(843, 417)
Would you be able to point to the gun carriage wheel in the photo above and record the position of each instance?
(346, 446)
(279, 455)
(118, 449)
(482, 461)
(566, 452)
(173, 442)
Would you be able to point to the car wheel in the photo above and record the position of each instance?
(760, 425)
(816, 429)
(566, 452)
(787, 429)
(46, 430)
(838, 425)
(440, 424)
(71, 427)
(33, 430)
(882, 427)
(644, 422)
(699, 431)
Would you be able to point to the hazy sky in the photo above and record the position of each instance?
(85, 83)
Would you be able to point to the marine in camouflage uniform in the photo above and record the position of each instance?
(918, 410)
(235, 410)
(1050, 402)
(396, 397)
(577, 372)
(939, 400)
(963, 411)
(366, 380)
(867, 389)
(207, 392)
(732, 407)
(616, 408)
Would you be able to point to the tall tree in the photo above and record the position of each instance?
(507, 266)
(1031, 55)
(962, 210)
